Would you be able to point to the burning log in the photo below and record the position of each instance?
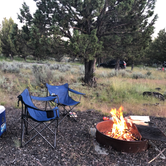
(121, 129)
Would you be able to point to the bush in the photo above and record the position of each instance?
(148, 73)
(6, 84)
(60, 67)
(82, 69)
(42, 75)
(64, 68)
(54, 67)
(138, 75)
(123, 73)
(8, 67)
(113, 73)
(104, 74)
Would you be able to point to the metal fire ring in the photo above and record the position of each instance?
(117, 144)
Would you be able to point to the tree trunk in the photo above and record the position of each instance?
(94, 65)
(11, 57)
(117, 67)
(89, 70)
(99, 60)
(25, 58)
(132, 66)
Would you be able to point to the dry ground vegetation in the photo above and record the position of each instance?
(114, 88)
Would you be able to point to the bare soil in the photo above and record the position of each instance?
(75, 145)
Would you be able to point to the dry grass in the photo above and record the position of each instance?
(111, 92)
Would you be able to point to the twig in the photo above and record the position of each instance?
(162, 155)
(39, 163)
(156, 156)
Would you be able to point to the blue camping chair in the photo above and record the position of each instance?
(63, 99)
(37, 116)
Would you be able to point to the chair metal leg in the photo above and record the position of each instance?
(56, 131)
(39, 133)
(26, 126)
(67, 113)
(55, 138)
(22, 132)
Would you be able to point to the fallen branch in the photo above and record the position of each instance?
(156, 156)
(162, 155)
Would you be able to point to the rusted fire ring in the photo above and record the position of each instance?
(117, 144)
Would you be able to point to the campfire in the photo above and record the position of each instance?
(121, 129)
(120, 133)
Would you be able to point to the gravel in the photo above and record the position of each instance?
(75, 145)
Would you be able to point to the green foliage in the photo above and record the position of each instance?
(0, 47)
(148, 73)
(6, 43)
(40, 37)
(85, 45)
(157, 49)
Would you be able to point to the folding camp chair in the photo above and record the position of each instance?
(34, 117)
(64, 99)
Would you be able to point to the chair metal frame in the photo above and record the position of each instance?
(25, 116)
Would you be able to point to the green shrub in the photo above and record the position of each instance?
(138, 75)
(164, 94)
(60, 67)
(123, 73)
(54, 66)
(82, 69)
(6, 84)
(64, 68)
(148, 73)
(42, 74)
(8, 67)
(74, 71)
(112, 73)
(104, 74)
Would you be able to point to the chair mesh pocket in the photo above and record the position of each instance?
(50, 114)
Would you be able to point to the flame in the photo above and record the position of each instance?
(120, 129)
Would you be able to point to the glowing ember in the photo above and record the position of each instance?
(121, 129)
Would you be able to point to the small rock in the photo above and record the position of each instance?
(92, 132)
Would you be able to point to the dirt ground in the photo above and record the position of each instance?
(75, 145)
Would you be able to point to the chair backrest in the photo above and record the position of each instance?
(62, 91)
(26, 99)
(35, 112)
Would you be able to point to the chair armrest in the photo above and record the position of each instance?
(76, 92)
(48, 98)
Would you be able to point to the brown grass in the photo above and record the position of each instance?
(132, 105)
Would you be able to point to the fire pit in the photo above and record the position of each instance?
(117, 144)
(120, 134)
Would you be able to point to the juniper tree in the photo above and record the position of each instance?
(18, 37)
(6, 43)
(38, 35)
(157, 48)
(117, 25)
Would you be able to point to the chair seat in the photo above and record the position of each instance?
(42, 116)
